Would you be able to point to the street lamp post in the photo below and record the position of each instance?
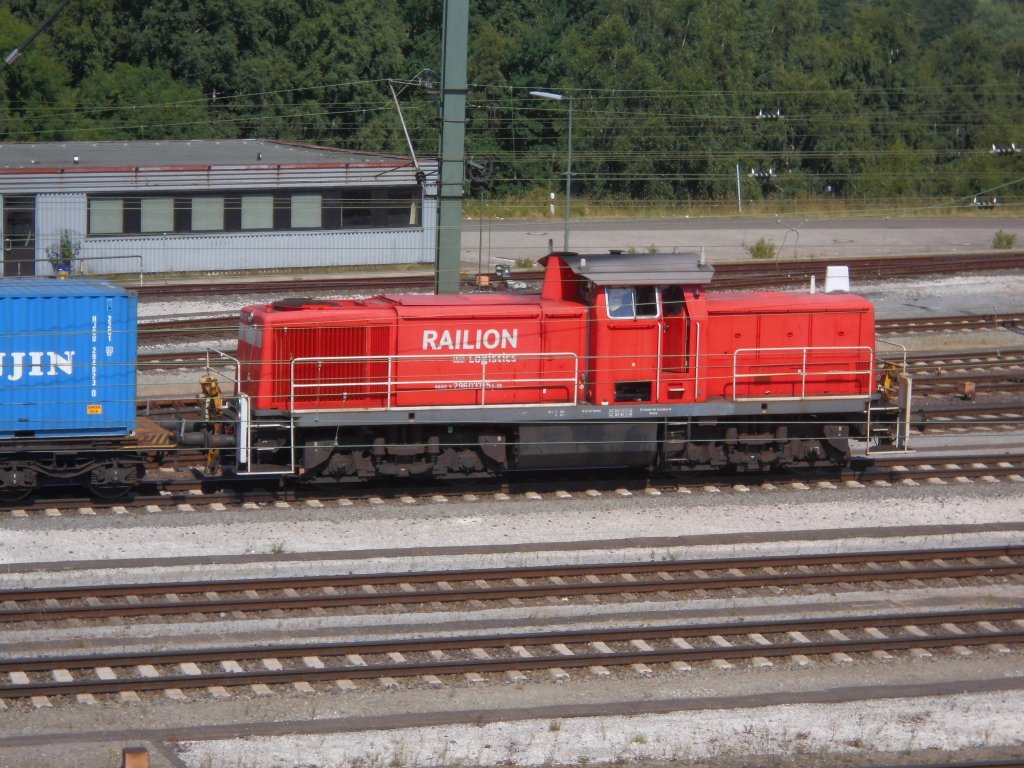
(568, 164)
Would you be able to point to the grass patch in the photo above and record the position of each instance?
(1004, 241)
(536, 204)
(762, 249)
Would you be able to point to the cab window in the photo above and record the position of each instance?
(672, 300)
(630, 303)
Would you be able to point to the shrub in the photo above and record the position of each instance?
(63, 253)
(1004, 241)
(762, 249)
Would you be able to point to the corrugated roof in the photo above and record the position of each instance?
(41, 287)
(640, 268)
(135, 154)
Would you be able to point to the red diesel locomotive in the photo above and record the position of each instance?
(621, 361)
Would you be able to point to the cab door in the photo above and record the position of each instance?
(625, 345)
(679, 338)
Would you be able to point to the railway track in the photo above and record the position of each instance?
(940, 415)
(966, 360)
(187, 490)
(729, 275)
(918, 469)
(931, 323)
(509, 656)
(432, 590)
(799, 272)
(1006, 382)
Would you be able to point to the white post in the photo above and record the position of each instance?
(739, 189)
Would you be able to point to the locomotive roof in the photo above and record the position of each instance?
(780, 301)
(639, 268)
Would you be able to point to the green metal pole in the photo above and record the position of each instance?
(453, 138)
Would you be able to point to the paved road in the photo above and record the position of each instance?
(503, 241)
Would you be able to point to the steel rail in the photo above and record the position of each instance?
(514, 644)
(911, 459)
(670, 577)
(932, 323)
(167, 493)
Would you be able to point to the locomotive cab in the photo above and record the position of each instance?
(643, 323)
(749, 380)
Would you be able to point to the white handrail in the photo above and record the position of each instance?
(232, 362)
(802, 372)
(481, 382)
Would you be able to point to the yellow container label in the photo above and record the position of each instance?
(96, 409)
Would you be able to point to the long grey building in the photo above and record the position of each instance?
(209, 206)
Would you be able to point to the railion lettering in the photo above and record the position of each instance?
(466, 339)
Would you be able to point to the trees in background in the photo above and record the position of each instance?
(874, 99)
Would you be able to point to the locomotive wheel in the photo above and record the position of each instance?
(109, 491)
(802, 469)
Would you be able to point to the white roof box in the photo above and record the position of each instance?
(837, 280)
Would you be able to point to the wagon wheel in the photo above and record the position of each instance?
(16, 482)
(113, 480)
(12, 495)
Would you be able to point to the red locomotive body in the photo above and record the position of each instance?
(411, 352)
(789, 345)
(621, 360)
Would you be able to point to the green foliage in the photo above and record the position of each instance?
(883, 100)
(63, 253)
(35, 100)
(139, 102)
(1004, 241)
(762, 249)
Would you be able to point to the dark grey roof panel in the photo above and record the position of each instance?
(640, 268)
(223, 152)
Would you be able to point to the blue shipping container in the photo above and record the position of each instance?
(67, 358)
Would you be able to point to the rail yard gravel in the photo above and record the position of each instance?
(827, 713)
(706, 715)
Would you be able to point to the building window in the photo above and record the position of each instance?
(157, 214)
(207, 214)
(305, 211)
(357, 208)
(380, 208)
(257, 212)
(403, 208)
(282, 210)
(106, 216)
